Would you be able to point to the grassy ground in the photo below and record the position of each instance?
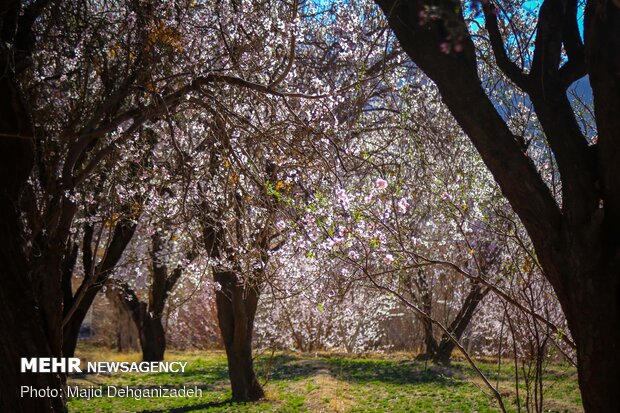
(327, 383)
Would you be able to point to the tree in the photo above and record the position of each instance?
(108, 226)
(312, 303)
(24, 330)
(148, 315)
(575, 237)
(239, 266)
(76, 306)
(58, 125)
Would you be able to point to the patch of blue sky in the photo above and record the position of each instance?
(508, 10)
(531, 7)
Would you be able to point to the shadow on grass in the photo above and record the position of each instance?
(390, 372)
(284, 367)
(191, 408)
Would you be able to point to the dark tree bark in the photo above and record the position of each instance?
(71, 330)
(440, 351)
(25, 329)
(236, 308)
(127, 334)
(152, 339)
(76, 306)
(576, 243)
(426, 303)
(236, 303)
(459, 324)
(151, 332)
(148, 316)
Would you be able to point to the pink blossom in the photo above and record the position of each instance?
(445, 47)
(388, 259)
(403, 204)
(343, 198)
(333, 242)
(381, 183)
(458, 47)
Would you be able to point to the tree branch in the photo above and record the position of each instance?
(456, 76)
(510, 69)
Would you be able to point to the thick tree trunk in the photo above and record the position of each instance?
(592, 308)
(127, 334)
(598, 362)
(152, 338)
(150, 328)
(24, 330)
(71, 330)
(594, 302)
(236, 308)
(444, 350)
(22, 334)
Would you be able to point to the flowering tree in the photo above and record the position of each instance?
(166, 268)
(409, 222)
(311, 303)
(83, 79)
(572, 236)
(62, 120)
(292, 150)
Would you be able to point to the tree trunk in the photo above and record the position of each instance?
(150, 329)
(22, 334)
(148, 318)
(70, 334)
(88, 290)
(442, 351)
(24, 330)
(127, 334)
(592, 308)
(71, 330)
(236, 308)
(598, 363)
(152, 338)
(430, 343)
(459, 324)
(127, 340)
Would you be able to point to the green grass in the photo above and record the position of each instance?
(325, 383)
